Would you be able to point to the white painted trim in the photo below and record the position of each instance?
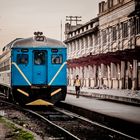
(21, 73)
(57, 73)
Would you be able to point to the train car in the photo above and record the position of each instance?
(33, 70)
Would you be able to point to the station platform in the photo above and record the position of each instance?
(126, 96)
(125, 112)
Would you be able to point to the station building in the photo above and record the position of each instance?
(105, 51)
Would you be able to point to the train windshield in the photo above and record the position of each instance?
(22, 58)
(56, 59)
(39, 57)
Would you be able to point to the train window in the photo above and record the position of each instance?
(56, 59)
(22, 58)
(39, 57)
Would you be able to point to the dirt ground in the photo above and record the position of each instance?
(10, 131)
(4, 132)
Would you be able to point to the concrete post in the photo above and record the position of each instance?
(90, 76)
(99, 76)
(70, 76)
(111, 75)
(108, 75)
(95, 75)
(122, 74)
(82, 75)
(84, 82)
(118, 75)
(102, 74)
(76, 71)
(73, 76)
(135, 73)
(86, 76)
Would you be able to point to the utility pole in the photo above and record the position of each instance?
(73, 18)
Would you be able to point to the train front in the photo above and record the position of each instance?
(38, 71)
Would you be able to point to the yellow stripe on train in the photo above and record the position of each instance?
(23, 92)
(56, 91)
(40, 102)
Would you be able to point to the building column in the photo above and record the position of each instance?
(94, 75)
(78, 47)
(129, 34)
(70, 76)
(84, 43)
(99, 76)
(111, 74)
(134, 81)
(108, 76)
(121, 39)
(122, 74)
(90, 76)
(118, 75)
(117, 39)
(100, 42)
(77, 70)
(73, 76)
(107, 38)
(86, 73)
(94, 44)
(102, 75)
(82, 75)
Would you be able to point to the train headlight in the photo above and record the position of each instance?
(39, 36)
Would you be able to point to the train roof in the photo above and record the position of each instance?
(33, 43)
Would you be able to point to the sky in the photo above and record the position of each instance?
(21, 18)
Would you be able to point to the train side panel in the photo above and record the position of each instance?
(5, 71)
(57, 68)
(21, 69)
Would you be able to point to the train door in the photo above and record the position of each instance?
(39, 67)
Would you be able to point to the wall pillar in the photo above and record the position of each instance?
(95, 75)
(91, 76)
(102, 74)
(122, 74)
(111, 74)
(86, 76)
(135, 72)
(118, 75)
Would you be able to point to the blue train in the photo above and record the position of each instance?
(33, 70)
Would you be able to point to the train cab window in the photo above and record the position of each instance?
(22, 58)
(39, 57)
(56, 59)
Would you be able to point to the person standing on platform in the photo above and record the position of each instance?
(77, 84)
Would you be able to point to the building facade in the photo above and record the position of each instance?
(105, 52)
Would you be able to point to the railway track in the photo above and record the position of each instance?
(63, 124)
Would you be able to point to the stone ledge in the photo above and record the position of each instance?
(108, 97)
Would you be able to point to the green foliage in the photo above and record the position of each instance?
(16, 133)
